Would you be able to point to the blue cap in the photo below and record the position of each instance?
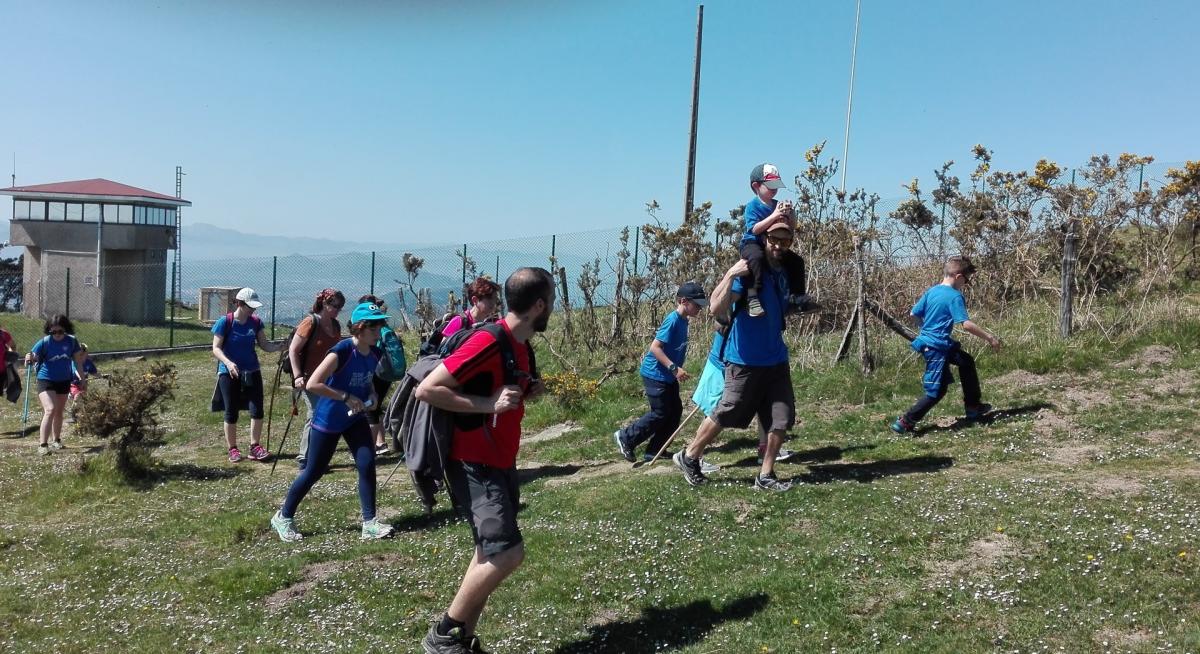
(367, 311)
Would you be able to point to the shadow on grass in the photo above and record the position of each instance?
(987, 419)
(818, 455)
(186, 472)
(869, 472)
(22, 433)
(661, 629)
(528, 475)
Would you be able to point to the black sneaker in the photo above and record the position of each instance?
(453, 643)
(771, 483)
(690, 468)
(626, 451)
(475, 647)
(978, 411)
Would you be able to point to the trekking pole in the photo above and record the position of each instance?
(28, 386)
(271, 406)
(669, 439)
(393, 472)
(287, 427)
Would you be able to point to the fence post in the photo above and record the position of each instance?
(466, 302)
(372, 291)
(636, 232)
(274, 278)
(68, 309)
(497, 277)
(553, 245)
(942, 235)
(171, 329)
(1066, 309)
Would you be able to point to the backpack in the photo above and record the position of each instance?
(424, 432)
(433, 341)
(393, 363)
(285, 359)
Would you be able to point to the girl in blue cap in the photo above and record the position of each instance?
(344, 390)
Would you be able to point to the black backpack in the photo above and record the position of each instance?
(424, 432)
(432, 343)
(285, 360)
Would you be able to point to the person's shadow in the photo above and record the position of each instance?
(660, 629)
(22, 433)
(988, 418)
(868, 472)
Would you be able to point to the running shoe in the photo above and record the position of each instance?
(381, 449)
(373, 529)
(235, 455)
(754, 307)
(690, 467)
(771, 483)
(978, 411)
(626, 451)
(258, 452)
(56, 445)
(285, 527)
(43, 449)
(902, 426)
(455, 642)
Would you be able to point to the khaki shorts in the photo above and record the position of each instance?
(763, 391)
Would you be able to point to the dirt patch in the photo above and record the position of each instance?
(386, 560)
(1151, 356)
(1019, 379)
(1115, 638)
(660, 469)
(310, 576)
(1115, 486)
(1047, 422)
(1160, 437)
(603, 470)
(603, 617)
(552, 432)
(982, 557)
(1072, 454)
(1087, 398)
(1172, 383)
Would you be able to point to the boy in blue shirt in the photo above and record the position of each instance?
(938, 311)
(662, 370)
(761, 213)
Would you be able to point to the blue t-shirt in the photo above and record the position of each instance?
(940, 308)
(353, 375)
(755, 211)
(759, 341)
(239, 343)
(55, 358)
(673, 334)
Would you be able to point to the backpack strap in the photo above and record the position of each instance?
(227, 329)
(508, 358)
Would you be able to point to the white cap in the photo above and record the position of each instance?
(250, 297)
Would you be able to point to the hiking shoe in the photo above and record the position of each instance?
(771, 483)
(43, 449)
(235, 455)
(754, 307)
(690, 467)
(285, 527)
(978, 411)
(626, 451)
(708, 468)
(648, 457)
(374, 529)
(56, 445)
(783, 455)
(258, 452)
(901, 426)
(454, 642)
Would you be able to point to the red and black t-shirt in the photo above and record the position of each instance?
(477, 366)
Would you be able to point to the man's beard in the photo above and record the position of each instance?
(543, 321)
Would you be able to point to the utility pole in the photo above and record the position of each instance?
(690, 183)
(850, 95)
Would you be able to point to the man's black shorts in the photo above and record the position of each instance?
(488, 498)
(765, 391)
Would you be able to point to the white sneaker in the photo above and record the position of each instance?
(285, 527)
(708, 468)
(56, 445)
(374, 529)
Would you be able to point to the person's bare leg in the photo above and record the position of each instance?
(47, 400)
(255, 430)
(231, 434)
(57, 415)
(705, 434)
(482, 578)
(774, 442)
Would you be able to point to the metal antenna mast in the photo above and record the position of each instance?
(178, 267)
(690, 184)
(850, 96)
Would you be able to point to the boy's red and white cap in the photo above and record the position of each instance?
(768, 175)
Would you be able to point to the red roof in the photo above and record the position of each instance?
(90, 187)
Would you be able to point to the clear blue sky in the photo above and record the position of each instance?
(540, 117)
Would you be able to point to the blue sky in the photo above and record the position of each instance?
(418, 122)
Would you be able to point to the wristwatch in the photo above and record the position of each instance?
(672, 367)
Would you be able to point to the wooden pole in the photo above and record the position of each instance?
(864, 355)
(1070, 256)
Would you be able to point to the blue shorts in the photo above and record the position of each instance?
(709, 389)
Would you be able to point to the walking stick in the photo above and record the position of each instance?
(286, 428)
(669, 439)
(271, 406)
(28, 385)
(393, 472)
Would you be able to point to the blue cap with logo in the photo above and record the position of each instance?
(367, 311)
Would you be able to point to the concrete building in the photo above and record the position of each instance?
(95, 247)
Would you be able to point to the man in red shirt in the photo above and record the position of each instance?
(482, 465)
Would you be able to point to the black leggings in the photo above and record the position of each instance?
(246, 390)
(793, 265)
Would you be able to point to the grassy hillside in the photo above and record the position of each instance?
(1069, 522)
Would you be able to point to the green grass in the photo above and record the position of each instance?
(1070, 521)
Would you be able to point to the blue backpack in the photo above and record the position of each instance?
(393, 363)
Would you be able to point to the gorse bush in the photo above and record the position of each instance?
(127, 412)
(570, 389)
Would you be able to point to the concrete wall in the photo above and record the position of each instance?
(46, 285)
(135, 287)
(81, 237)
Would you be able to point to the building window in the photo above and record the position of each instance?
(91, 213)
(37, 210)
(171, 217)
(125, 214)
(57, 211)
(139, 215)
(20, 209)
(74, 211)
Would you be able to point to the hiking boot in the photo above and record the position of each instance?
(454, 642)
(690, 467)
(258, 452)
(374, 529)
(708, 468)
(43, 449)
(626, 451)
(771, 483)
(235, 455)
(783, 455)
(902, 426)
(285, 527)
(978, 411)
(56, 445)
(754, 307)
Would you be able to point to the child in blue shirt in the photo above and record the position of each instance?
(760, 214)
(937, 312)
(662, 370)
(55, 354)
(344, 386)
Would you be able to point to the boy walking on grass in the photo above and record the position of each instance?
(937, 312)
(662, 370)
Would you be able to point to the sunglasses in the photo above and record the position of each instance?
(57, 332)
(780, 241)
(334, 305)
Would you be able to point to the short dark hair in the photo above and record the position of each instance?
(59, 320)
(958, 264)
(526, 286)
